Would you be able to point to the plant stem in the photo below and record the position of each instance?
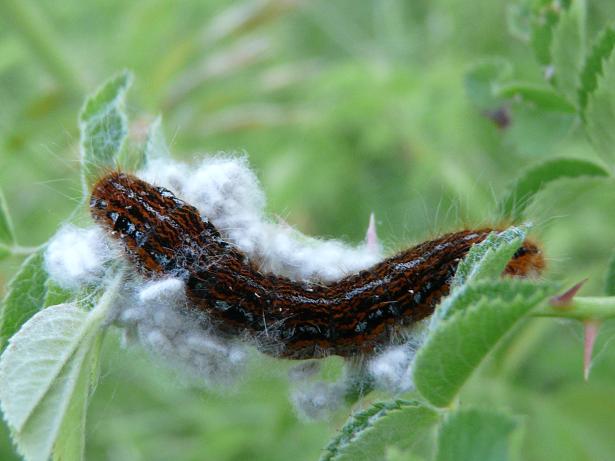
(18, 250)
(33, 28)
(581, 308)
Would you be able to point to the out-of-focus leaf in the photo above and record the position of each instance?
(481, 80)
(518, 16)
(610, 278)
(7, 235)
(539, 176)
(25, 296)
(459, 343)
(543, 21)
(543, 97)
(592, 69)
(600, 111)
(103, 125)
(568, 48)
(4, 251)
(535, 132)
(476, 435)
(403, 424)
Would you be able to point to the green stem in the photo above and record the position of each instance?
(581, 308)
(38, 34)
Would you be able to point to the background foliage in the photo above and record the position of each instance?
(413, 110)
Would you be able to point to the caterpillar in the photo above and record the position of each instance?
(164, 236)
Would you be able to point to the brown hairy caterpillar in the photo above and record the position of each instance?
(166, 237)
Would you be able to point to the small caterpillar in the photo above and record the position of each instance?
(166, 237)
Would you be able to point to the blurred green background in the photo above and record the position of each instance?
(344, 108)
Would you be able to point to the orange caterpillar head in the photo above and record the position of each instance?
(528, 261)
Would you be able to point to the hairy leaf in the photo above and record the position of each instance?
(403, 424)
(155, 144)
(459, 342)
(103, 126)
(477, 435)
(25, 296)
(592, 69)
(35, 357)
(537, 177)
(70, 442)
(489, 257)
(393, 454)
(482, 291)
(54, 294)
(136, 154)
(45, 375)
(568, 48)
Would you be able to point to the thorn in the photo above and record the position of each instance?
(371, 236)
(564, 299)
(591, 332)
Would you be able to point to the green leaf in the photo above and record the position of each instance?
(393, 454)
(46, 373)
(5, 251)
(155, 145)
(543, 21)
(103, 125)
(25, 296)
(481, 80)
(600, 111)
(568, 48)
(489, 257)
(7, 235)
(602, 49)
(474, 293)
(70, 443)
(400, 423)
(459, 342)
(541, 96)
(135, 158)
(610, 278)
(537, 177)
(476, 435)
(518, 16)
(39, 372)
(54, 294)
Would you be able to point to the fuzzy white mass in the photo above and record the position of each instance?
(75, 256)
(317, 400)
(392, 368)
(226, 192)
(157, 315)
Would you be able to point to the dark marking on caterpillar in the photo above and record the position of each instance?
(165, 237)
